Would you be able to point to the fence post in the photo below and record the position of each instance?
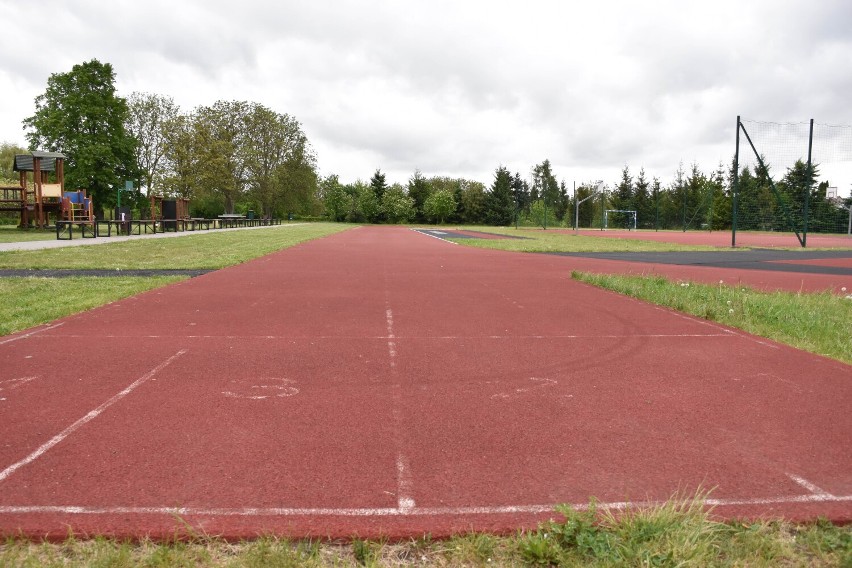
(735, 188)
(810, 181)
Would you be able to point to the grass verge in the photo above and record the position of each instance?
(677, 533)
(208, 250)
(28, 302)
(12, 234)
(819, 323)
(537, 240)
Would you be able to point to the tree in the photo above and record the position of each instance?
(418, 190)
(521, 191)
(181, 165)
(440, 205)
(471, 200)
(500, 202)
(81, 116)
(622, 195)
(396, 205)
(334, 198)
(720, 209)
(7, 158)
(378, 183)
(280, 170)
(544, 185)
(642, 201)
(222, 131)
(147, 119)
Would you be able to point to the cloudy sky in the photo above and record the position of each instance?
(460, 87)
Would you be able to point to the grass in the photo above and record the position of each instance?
(12, 234)
(28, 302)
(819, 323)
(206, 250)
(536, 240)
(677, 533)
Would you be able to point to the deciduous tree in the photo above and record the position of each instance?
(81, 115)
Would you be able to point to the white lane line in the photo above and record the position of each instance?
(391, 337)
(347, 337)
(396, 511)
(404, 484)
(695, 319)
(30, 334)
(433, 236)
(816, 491)
(88, 417)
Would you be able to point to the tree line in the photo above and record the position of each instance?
(229, 156)
(235, 156)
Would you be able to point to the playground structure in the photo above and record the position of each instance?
(37, 200)
(169, 213)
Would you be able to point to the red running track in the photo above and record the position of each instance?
(382, 382)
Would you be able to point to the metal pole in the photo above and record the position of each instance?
(735, 187)
(810, 182)
(576, 210)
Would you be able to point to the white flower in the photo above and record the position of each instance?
(843, 289)
(731, 311)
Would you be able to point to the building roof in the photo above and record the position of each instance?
(24, 162)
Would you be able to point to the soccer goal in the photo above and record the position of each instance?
(620, 219)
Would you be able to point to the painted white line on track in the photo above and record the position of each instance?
(31, 334)
(423, 232)
(809, 486)
(397, 511)
(404, 484)
(695, 319)
(391, 337)
(395, 337)
(87, 418)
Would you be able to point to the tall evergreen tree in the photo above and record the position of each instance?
(521, 191)
(642, 202)
(379, 185)
(622, 195)
(418, 190)
(500, 201)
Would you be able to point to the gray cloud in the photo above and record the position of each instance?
(459, 88)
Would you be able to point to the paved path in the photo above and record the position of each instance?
(382, 382)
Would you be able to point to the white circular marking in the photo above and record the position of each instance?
(280, 388)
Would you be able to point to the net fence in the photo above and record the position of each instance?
(793, 177)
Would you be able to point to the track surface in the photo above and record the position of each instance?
(382, 382)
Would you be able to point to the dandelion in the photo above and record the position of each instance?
(729, 302)
(731, 311)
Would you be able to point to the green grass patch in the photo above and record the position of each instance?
(207, 250)
(33, 301)
(677, 533)
(12, 234)
(819, 323)
(539, 240)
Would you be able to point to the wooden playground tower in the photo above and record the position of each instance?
(37, 200)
